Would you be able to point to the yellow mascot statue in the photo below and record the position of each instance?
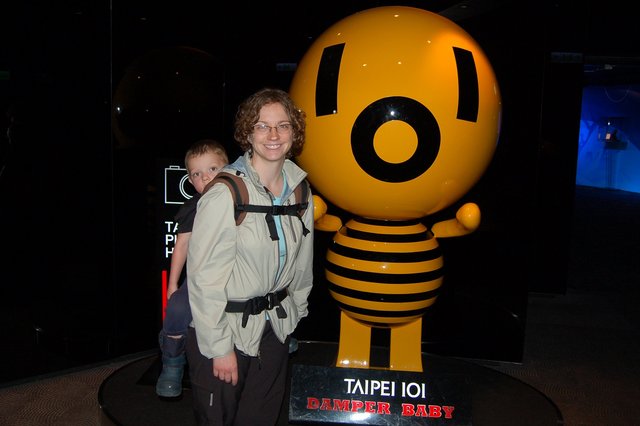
(403, 118)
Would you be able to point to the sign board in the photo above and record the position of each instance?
(377, 397)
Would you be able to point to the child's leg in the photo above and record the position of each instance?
(178, 313)
(172, 341)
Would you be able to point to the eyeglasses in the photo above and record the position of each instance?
(263, 129)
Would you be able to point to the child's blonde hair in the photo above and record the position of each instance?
(203, 146)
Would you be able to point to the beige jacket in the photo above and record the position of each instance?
(229, 262)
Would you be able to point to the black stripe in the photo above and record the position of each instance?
(388, 238)
(384, 297)
(375, 277)
(390, 223)
(327, 80)
(467, 85)
(383, 314)
(405, 257)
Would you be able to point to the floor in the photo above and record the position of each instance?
(582, 349)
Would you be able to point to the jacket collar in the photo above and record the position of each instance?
(292, 172)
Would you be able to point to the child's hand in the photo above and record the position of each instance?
(170, 290)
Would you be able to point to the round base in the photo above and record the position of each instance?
(127, 396)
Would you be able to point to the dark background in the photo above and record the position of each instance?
(79, 181)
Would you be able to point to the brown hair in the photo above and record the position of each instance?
(249, 112)
(203, 146)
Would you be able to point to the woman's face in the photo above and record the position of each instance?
(272, 134)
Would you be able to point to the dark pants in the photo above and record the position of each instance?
(258, 396)
(178, 312)
(176, 322)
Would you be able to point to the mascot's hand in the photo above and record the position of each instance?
(324, 221)
(467, 220)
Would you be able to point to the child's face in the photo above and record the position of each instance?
(203, 168)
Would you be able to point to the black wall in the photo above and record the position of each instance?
(57, 187)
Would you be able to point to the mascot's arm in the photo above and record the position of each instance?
(324, 221)
(467, 220)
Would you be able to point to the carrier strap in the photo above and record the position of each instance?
(258, 304)
(240, 196)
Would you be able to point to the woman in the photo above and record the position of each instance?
(247, 290)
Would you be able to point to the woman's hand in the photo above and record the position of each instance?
(225, 368)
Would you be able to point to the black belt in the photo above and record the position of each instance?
(258, 304)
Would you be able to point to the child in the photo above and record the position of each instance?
(203, 161)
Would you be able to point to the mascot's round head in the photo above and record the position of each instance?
(403, 113)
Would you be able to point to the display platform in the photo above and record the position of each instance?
(127, 397)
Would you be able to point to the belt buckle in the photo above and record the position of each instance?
(270, 303)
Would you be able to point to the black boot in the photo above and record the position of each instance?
(169, 384)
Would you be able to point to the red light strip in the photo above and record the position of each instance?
(164, 294)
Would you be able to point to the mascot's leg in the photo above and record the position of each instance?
(355, 343)
(406, 347)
